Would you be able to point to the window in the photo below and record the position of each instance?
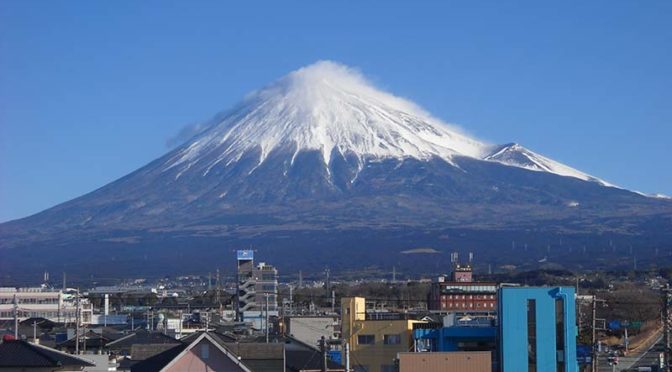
(392, 339)
(205, 351)
(366, 339)
(560, 334)
(531, 335)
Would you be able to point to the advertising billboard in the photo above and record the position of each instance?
(245, 254)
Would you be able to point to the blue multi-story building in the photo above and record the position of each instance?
(537, 329)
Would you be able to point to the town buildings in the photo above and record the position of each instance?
(537, 330)
(374, 341)
(257, 290)
(460, 293)
(529, 329)
(56, 306)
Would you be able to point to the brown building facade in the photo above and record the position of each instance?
(461, 293)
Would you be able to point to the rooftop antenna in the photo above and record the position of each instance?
(327, 283)
(218, 289)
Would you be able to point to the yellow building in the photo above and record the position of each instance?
(374, 343)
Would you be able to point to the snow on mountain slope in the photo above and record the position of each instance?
(518, 156)
(329, 107)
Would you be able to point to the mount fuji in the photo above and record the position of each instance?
(321, 168)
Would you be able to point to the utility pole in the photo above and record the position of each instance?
(84, 336)
(594, 364)
(593, 338)
(217, 293)
(266, 317)
(347, 357)
(16, 318)
(333, 301)
(323, 350)
(77, 324)
(180, 325)
(667, 298)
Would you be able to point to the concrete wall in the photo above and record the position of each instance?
(310, 329)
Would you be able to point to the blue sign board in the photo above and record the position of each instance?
(584, 354)
(335, 355)
(614, 325)
(245, 254)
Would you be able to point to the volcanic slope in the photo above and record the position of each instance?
(321, 159)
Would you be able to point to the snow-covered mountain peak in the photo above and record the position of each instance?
(516, 155)
(328, 107)
(333, 109)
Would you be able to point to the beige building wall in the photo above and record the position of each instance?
(374, 344)
(469, 361)
(309, 329)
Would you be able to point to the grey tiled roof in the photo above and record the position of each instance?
(17, 353)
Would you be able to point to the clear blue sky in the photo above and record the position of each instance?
(92, 90)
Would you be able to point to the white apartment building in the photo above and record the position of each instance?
(56, 306)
